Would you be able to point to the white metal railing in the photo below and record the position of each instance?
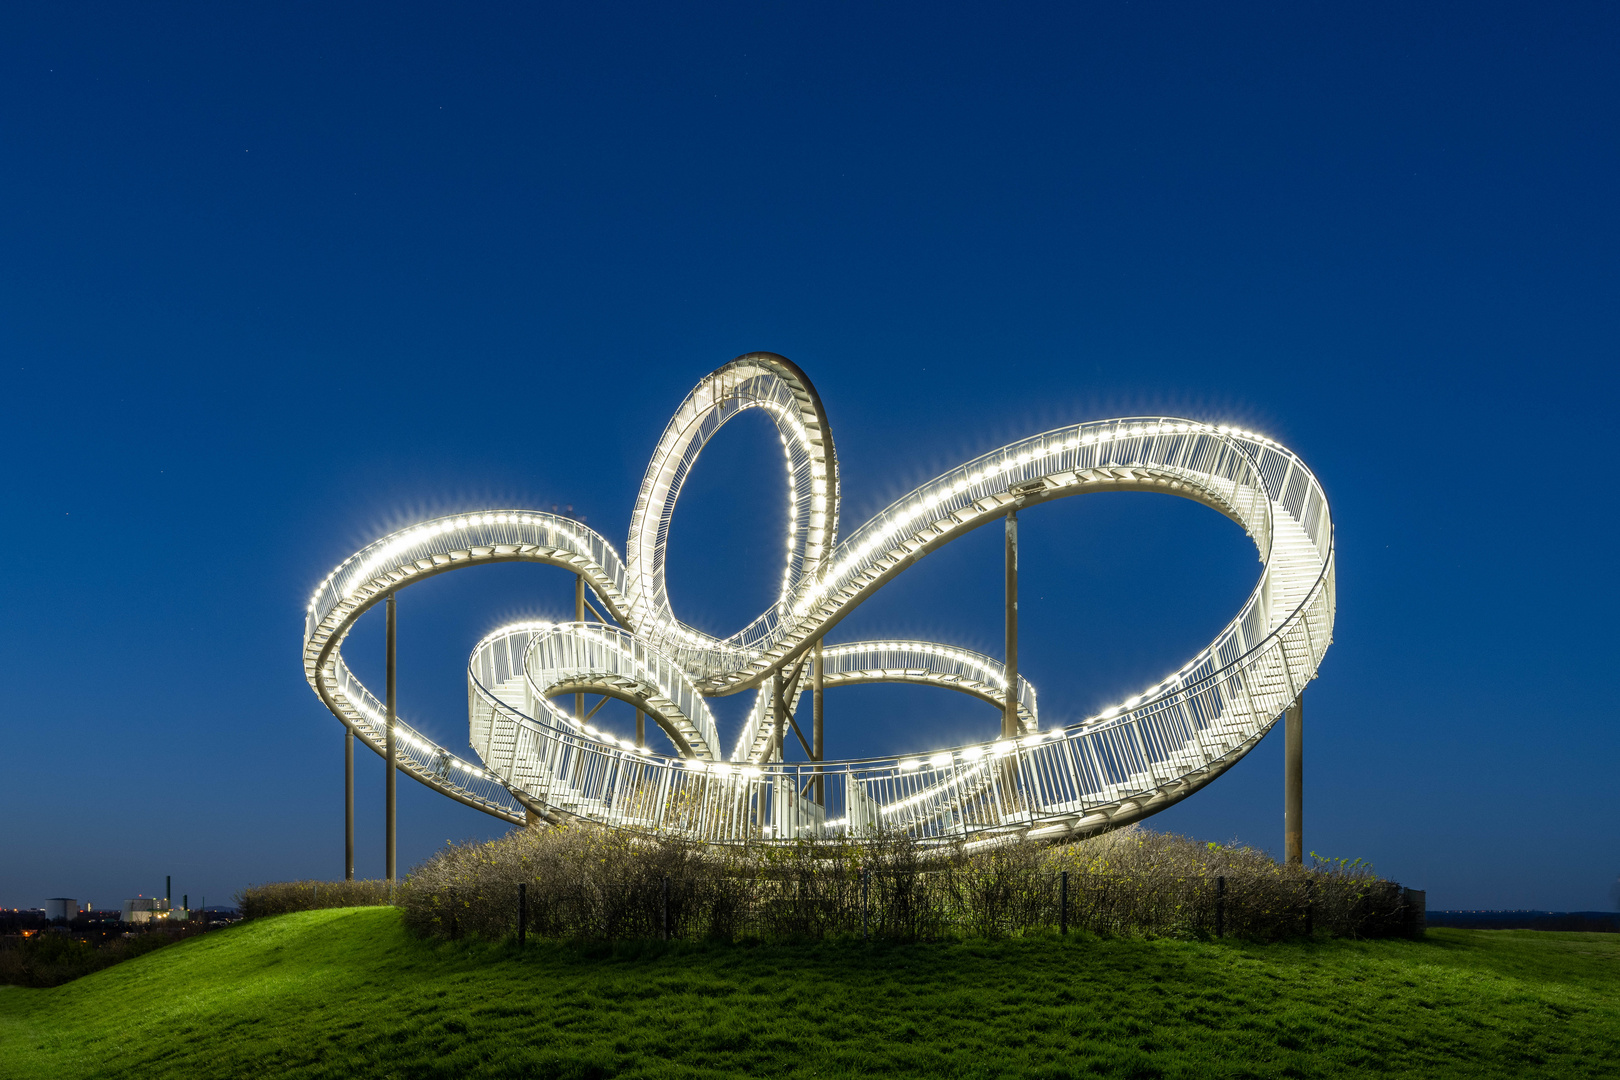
(1123, 763)
(924, 663)
(593, 654)
(1086, 775)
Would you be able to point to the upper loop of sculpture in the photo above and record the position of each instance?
(755, 381)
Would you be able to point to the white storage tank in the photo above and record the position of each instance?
(61, 907)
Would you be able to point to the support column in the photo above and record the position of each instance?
(391, 747)
(1009, 715)
(641, 728)
(779, 713)
(348, 803)
(817, 750)
(579, 616)
(1294, 783)
(1008, 786)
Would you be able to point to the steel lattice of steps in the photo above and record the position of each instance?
(1131, 760)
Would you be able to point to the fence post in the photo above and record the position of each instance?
(1063, 902)
(523, 913)
(1415, 905)
(866, 881)
(1220, 906)
(665, 908)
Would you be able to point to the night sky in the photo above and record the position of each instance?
(277, 279)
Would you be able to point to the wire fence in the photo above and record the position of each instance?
(592, 884)
(937, 905)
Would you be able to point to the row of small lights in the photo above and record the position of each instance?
(666, 625)
(722, 768)
(941, 760)
(421, 533)
(602, 639)
(411, 537)
(379, 720)
(817, 502)
(993, 673)
(1000, 748)
(427, 531)
(926, 503)
(988, 669)
(924, 796)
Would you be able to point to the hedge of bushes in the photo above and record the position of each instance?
(280, 897)
(589, 883)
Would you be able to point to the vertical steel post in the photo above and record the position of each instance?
(579, 616)
(348, 803)
(1009, 716)
(1294, 783)
(779, 712)
(641, 728)
(817, 673)
(1007, 789)
(1063, 902)
(866, 922)
(168, 880)
(390, 743)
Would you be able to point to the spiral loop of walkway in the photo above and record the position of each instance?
(1141, 755)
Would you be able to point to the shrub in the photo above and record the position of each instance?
(53, 959)
(586, 882)
(280, 897)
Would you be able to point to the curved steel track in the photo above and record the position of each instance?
(1129, 761)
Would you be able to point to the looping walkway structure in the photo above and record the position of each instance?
(539, 760)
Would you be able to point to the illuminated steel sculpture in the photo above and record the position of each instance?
(540, 761)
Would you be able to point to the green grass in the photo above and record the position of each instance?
(346, 993)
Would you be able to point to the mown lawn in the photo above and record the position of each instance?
(345, 994)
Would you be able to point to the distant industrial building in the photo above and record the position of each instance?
(145, 909)
(61, 909)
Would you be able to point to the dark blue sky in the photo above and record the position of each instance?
(275, 279)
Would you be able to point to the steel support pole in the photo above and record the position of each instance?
(348, 803)
(1009, 715)
(391, 745)
(1008, 786)
(1294, 783)
(579, 616)
(817, 750)
(779, 711)
(641, 728)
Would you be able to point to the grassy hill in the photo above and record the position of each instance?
(345, 994)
